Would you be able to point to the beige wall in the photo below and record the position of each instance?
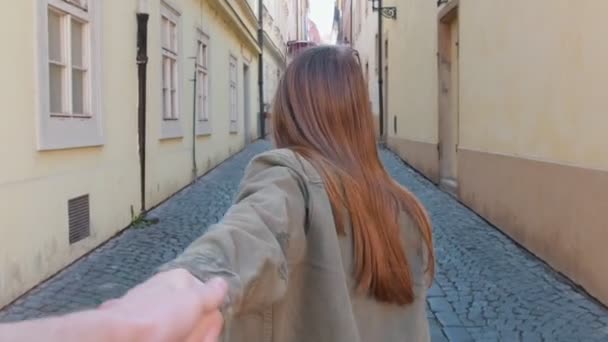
(411, 113)
(412, 62)
(365, 27)
(170, 160)
(412, 77)
(276, 22)
(530, 107)
(276, 29)
(531, 90)
(297, 12)
(35, 186)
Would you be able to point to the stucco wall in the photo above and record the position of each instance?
(365, 27)
(533, 87)
(170, 161)
(35, 186)
(412, 80)
(531, 120)
(532, 80)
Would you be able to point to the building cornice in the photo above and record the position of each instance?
(274, 49)
(244, 26)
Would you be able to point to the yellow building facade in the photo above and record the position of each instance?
(72, 176)
(276, 30)
(358, 28)
(500, 104)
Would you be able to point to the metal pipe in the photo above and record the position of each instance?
(380, 72)
(195, 81)
(261, 68)
(352, 43)
(142, 63)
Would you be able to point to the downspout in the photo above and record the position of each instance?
(195, 80)
(380, 76)
(352, 43)
(297, 20)
(142, 63)
(261, 68)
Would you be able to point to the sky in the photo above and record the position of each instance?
(322, 13)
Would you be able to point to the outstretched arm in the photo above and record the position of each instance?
(83, 326)
(171, 306)
(261, 235)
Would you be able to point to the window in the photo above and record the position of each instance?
(202, 82)
(68, 74)
(170, 64)
(68, 65)
(170, 72)
(233, 95)
(377, 45)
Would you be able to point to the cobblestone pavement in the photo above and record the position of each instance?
(487, 288)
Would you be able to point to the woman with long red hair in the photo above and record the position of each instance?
(321, 243)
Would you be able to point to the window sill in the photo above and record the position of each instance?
(171, 129)
(234, 128)
(46, 147)
(169, 138)
(203, 128)
(57, 133)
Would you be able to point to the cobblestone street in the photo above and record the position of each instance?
(487, 288)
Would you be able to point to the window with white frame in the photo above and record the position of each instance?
(234, 114)
(68, 64)
(170, 47)
(170, 37)
(202, 82)
(68, 74)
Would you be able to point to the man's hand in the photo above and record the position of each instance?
(171, 306)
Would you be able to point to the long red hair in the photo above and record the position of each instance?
(322, 111)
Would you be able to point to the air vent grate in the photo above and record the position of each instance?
(79, 218)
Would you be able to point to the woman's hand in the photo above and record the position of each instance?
(171, 306)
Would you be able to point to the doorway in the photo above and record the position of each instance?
(448, 70)
(246, 103)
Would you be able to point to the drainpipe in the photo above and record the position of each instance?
(261, 67)
(297, 20)
(380, 76)
(142, 63)
(352, 43)
(195, 80)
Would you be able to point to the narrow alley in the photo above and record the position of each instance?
(487, 288)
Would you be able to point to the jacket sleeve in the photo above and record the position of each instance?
(260, 236)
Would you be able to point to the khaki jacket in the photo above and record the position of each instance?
(290, 274)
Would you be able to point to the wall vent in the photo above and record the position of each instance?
(79, 218)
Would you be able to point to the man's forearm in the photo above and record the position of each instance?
(86, 326)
